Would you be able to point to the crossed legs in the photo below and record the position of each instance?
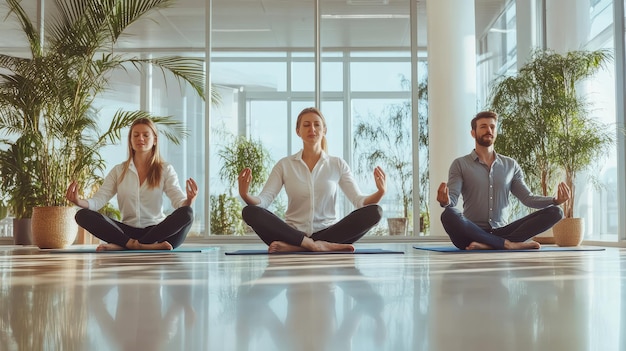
(466, 235)
(168, 234)
(281, 237)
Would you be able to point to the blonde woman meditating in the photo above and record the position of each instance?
(139, 184)
(311, 178)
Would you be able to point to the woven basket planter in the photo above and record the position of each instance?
(568, 232)
(54, 227)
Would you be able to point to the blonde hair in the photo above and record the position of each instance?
(319, 113)
(155, 162)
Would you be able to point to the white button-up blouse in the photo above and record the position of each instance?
(140, 206)
(312, 195)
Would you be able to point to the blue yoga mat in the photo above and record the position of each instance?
(93, 250)
(356, 252)
(453, 249)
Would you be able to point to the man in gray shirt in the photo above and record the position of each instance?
(485, 179)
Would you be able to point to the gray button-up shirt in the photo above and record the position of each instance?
(486, 191)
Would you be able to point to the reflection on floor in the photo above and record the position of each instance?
(419, 300)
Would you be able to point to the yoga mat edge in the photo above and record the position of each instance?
(452, 249)
(357, 252)
(93, 250)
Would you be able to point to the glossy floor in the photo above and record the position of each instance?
(419, 300)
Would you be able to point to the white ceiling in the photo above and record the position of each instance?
(270, 23)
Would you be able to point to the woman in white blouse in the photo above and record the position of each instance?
(310, 178)
(139, 183)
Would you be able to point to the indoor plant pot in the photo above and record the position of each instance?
(48, 98)
(22, 233)
(54, 227)
(568, 232)
(397, 225)
(565, 138)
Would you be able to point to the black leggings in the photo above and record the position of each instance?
(173, 228)
(463, 232)
(351, 228)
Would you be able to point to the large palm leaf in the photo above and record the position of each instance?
(47, 100)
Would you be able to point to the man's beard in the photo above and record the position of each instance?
(482, 141)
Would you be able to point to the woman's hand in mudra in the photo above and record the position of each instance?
(243, 180)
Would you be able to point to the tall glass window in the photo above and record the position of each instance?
(371, 48)
(588, 26)
(263, 68)
(497, 51)
(597, 203)
(269, 81)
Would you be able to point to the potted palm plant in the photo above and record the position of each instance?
(47, 109)
(583, 141)
(387, 140)
(545, 123)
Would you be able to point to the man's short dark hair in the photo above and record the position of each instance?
(483, 114)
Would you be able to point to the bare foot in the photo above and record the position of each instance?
(158, 246)
(109, 247)
(475, 245)
(281, 246)
(136, 245)
(510, 245)
(325, 246)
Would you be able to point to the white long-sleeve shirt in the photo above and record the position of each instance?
(311, 195)
(140, 206)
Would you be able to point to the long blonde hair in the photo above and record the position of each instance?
(155, 162)
(319, 113)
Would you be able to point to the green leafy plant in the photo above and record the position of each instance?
(4, 209)
(544, 119)
(386, 140)
(240, 153)
(235, 155)
(47, 109)
(226, 215)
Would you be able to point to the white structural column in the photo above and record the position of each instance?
(567, 24)
(451, 91)
(526, 31)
